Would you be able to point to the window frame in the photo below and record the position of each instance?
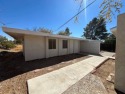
(65, 44)
(51, 44)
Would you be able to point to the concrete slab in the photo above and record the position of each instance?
(95, 61)
(58, 81)
(107, 54)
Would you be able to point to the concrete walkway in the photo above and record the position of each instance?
(58, 81)
(107, 54)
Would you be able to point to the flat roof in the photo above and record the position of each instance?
(19, 34)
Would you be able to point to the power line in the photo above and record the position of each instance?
(76, 15)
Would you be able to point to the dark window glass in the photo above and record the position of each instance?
(52, 43)
(65, 44)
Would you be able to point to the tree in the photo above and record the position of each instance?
(111, 36)
(66, 32)
(18, 41)
(2, 39)
(5, 43)
(96, 29)
(43, 30)
(108, 8)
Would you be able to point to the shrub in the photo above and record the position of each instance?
(18, 41)
(109, 45)
(7, 44)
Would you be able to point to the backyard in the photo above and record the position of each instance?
(14, 71)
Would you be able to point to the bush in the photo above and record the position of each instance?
(7, 44)
(109, 45)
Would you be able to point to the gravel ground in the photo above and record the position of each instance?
(90, 84)
(14, 71)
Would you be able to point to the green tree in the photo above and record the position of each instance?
(18, 41)
(2, 39)
(111, 36)
(96, 29)
(66, 32)
(5, 43)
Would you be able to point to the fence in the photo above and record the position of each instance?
(109, 45)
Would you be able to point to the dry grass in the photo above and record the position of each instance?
(18, 48)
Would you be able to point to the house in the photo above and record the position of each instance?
(119, 32)
(37, 45)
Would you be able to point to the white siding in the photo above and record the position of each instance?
(37, 47)
(34, 47)
(70, 46)
(62, 51)
(51, 52)
(90, 46)
(76, 47)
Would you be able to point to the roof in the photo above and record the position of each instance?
(114, 30)
(19, 34)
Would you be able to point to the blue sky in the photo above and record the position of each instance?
(50, 14)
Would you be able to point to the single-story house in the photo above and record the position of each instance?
(38, 45)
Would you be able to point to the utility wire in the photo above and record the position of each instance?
(76, 15)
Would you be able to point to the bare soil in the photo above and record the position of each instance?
(14, 71)
(17, 48)
(103, 72)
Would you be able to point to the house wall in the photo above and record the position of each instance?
(120, 54)
(34, 47)
(70, 47)
(62, 51)
(76, 46)
(37, 47)
(51, 52)
(90, 46)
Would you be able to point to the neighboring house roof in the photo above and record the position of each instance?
(19, 34)
(114, 31)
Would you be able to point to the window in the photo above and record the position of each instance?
(52, 43)
(65, 44)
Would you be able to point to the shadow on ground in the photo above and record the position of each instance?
(119, 92)
(13, 63)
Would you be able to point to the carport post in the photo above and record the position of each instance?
(120, 54)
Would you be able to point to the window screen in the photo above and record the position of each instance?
(52, 43)
(65, 44)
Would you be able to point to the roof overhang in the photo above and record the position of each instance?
(19, 34)
(114, 31)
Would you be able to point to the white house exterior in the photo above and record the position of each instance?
(38, 45)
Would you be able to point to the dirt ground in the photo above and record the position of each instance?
(103, 72)
(14, 71)
(17, 48)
